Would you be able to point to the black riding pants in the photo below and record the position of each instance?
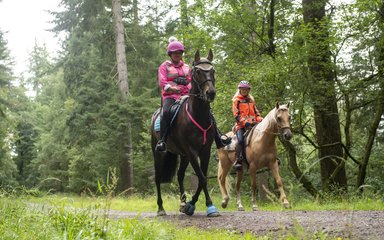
(165, 119)
(240, 136)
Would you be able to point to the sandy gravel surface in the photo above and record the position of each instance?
(344, 224)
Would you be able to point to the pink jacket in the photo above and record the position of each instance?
(168, 72)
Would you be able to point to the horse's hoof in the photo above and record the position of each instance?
(224, 204)
(255, 208)
(182, 207)
(189, 209)
(212, 211)
(161, 213)
(241, 208)
(286, 205)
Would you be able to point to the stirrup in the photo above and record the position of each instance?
(161, 146)
(225, 140)
(238, 166)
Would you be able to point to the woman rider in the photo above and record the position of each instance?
(246, 114)
(175, 78)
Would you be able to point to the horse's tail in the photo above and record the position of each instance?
(168, 168)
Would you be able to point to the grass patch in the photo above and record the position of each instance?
(22, 220)
(138, 203)
(45, 216)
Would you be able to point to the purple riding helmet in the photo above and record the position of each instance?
(174, 46)
(244, 84)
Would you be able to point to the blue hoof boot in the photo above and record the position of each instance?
(212, 211)
(190, 209)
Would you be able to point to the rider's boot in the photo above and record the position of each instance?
(221, 140)
(161, 145)
(239, 157)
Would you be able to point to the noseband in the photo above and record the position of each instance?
(196, 66)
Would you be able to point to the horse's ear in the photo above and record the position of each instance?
(277, 105)
(210, 55)
(197, 56)
(288, 104)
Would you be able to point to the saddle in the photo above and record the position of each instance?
(232, 147)
(174, 110)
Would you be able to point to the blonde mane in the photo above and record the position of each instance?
(268, 122)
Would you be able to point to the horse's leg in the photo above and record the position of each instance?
(279, 183)
(189, 208)
(205, 156)
(239, 178)
(222, 172)
(160, 209)
(180, 179)
(158, 161)
(252, 173)
(201, 171)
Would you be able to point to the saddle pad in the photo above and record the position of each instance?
(175, 107)
(232, 146)
(157, 124)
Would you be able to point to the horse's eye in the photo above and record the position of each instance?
(278, 119)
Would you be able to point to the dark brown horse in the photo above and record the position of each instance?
(191, 136)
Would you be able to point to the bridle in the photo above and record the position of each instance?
(199, 85)
(200, 95)
(280, 128)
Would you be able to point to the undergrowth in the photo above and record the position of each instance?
(32, 214)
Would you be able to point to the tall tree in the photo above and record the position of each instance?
(7, 166)
(378, 109)
(126, 167)
(120, 48)
(323, 95)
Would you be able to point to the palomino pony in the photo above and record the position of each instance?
(260, 152)
(190, 137)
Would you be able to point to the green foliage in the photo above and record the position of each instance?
(7, 166)
(23, 211)
(72, 132)
(21, 219)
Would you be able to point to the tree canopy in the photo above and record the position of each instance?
(72, 133)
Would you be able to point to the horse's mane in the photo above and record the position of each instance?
(268, 121)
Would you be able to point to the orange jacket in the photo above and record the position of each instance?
(244, 110)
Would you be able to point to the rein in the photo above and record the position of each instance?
(272, 133)
(198, 125)
(279, 129)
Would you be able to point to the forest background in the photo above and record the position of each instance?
(77, 129)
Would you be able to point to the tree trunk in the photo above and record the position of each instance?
(135, 13)
(379, 111)
(296, 170)
(271, 29)
(120, 48)
(262, 180)
(126, 166)
(371, 136)
(126, 170)
(324, 100)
